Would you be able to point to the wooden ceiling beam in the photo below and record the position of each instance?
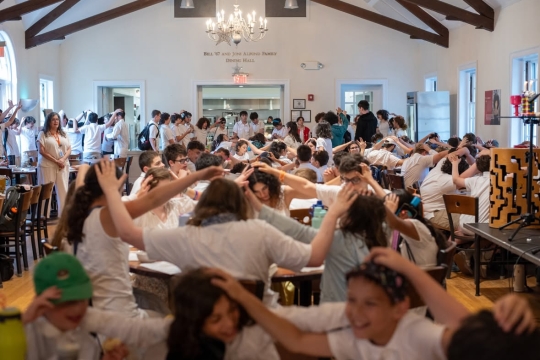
(16, 11)
(62, 32)
(425, 17)
(482, 8)
(454, 13)
(414, 32)
(50, 18)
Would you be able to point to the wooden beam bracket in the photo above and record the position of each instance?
(16, 11)
(413, 31)
(49, 18)
(425, 17)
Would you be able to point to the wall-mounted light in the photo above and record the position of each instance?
(187, 4)
(311, 65)
(291, 4)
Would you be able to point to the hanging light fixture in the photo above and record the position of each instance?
(291, 4)
(187, 4)
(236, 27)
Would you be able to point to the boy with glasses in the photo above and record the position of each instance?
(176, 158)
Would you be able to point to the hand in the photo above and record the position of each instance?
(242, 180)
(391, 202)
(339, 111)
(19, 105)
(362, 144)
(106, 174)
(391, 259)
(10, 103)
(41, 304)
(345, 199)
(119, 352)
(366, 175)
(454, 159)
(145, 187)
(512, 312)
(253, 199)
(226, 282)
(263, 167)
(60, 163)
(426, 147)
(479, 141)
(432, 141)
(211, 173)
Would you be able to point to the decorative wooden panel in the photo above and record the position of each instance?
(508, 194)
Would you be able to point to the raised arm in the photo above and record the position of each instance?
(280, 329)
(299, 184)
(13, 117)
(6, 113)
(458, 180)
(403, 226)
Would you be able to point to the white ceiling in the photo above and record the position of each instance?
(390, 8)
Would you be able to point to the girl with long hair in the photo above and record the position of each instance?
(216, 233)
(53, 159)
(400, 126)
(361, 229)
(383, 127)
(96, 243)
(292, 139)
(303, 131)
(200, 130)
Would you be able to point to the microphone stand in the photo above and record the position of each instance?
(529, 218)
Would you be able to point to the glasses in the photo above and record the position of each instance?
(181, 161)
(355, 180)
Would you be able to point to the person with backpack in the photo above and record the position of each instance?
(149, 137)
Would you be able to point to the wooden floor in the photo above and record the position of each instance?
(19, 291)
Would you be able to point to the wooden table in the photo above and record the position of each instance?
(25, 171)
(526, 244)
(303, 280)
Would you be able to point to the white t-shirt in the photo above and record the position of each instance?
(257, 128)
(291, 142)
(92, 137)
(227, 246)
(416, 168)
(242, 157)
(424, 250)
(382, 157)
(153, 132)
(75, 139)
(200, 134)
(328, 193)
(281, 133)
(218, 131)
(415, 338)
(121, 135)
(327, 145)
(28, 139)
(479, 187)
(244, 131)
(11, 143)
(435, 185)
(136, 186)
(105, 259)
(107, 144)
(175, 208)
(166, 134)
(319, 173)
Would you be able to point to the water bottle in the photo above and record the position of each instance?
(318, 217)
(319, 204)
(12, 337)
(11, 214)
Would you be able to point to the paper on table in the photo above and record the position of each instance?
(310, 269)
(133, 256)
(162, 266)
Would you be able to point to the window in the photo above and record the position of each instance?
(467, 101)
(352, 98)
(431, 83)
(524, 77)
(46, 99)
(8, 77)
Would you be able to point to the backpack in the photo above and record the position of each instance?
(144, 137)
(11, 201)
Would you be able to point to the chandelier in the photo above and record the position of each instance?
(236, 28)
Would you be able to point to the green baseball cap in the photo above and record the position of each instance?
(66, 273)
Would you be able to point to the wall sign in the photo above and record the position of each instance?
(239, 56)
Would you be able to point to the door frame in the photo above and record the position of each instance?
(124, 84)
(365, 82)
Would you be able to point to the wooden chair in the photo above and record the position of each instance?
(18, 235)
(42, 213)
(446, 258)
(30, 227)
(396, 181)
(48, 247)
(460, 204)
(438, 273)
(302, 216)
(120, 163)
(256, 287)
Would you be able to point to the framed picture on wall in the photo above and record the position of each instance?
(299, 103)
(295, 114)
(306, 114)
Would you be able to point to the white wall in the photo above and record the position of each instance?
(43, 60)
(167, 54)
(516, 29)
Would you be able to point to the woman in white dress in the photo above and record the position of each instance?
(384, 126)
(200, 131)
(53, 163)
(292, 139)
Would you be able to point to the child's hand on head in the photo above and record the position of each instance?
(513, 312)
(390, 258)
(345, 198)
(41, 304)
(229, 284)
(366, 174)
(145, 187)
(106, 174)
